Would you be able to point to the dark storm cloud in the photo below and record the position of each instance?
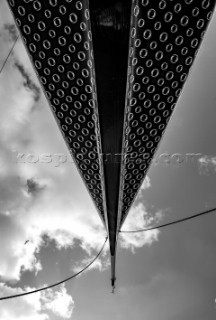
(34, 187)
(28, 83)
(12, 30)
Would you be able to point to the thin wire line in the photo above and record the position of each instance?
(57, 283)
(171, 223)
(9, 54)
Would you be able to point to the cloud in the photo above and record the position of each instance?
(6, 17)
(12, 30)
(139, 218)
(146, 183)
(34, 187)
(38, 306)
(207, 164)
(60, 303)
(28, 82)
(57, 211)
(101, 264)
(15, 256)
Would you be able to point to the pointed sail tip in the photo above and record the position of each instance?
(113, 277)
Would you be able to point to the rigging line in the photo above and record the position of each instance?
(171, 223)
(9, 54)
(57, 283)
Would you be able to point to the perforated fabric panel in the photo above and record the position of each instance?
(58, 38)
(164, 39)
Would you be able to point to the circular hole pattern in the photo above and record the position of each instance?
(166, 35)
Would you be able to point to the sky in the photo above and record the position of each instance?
(162, 274)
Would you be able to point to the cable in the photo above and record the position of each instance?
(171, 223)
(57, 283)
(9, 54)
